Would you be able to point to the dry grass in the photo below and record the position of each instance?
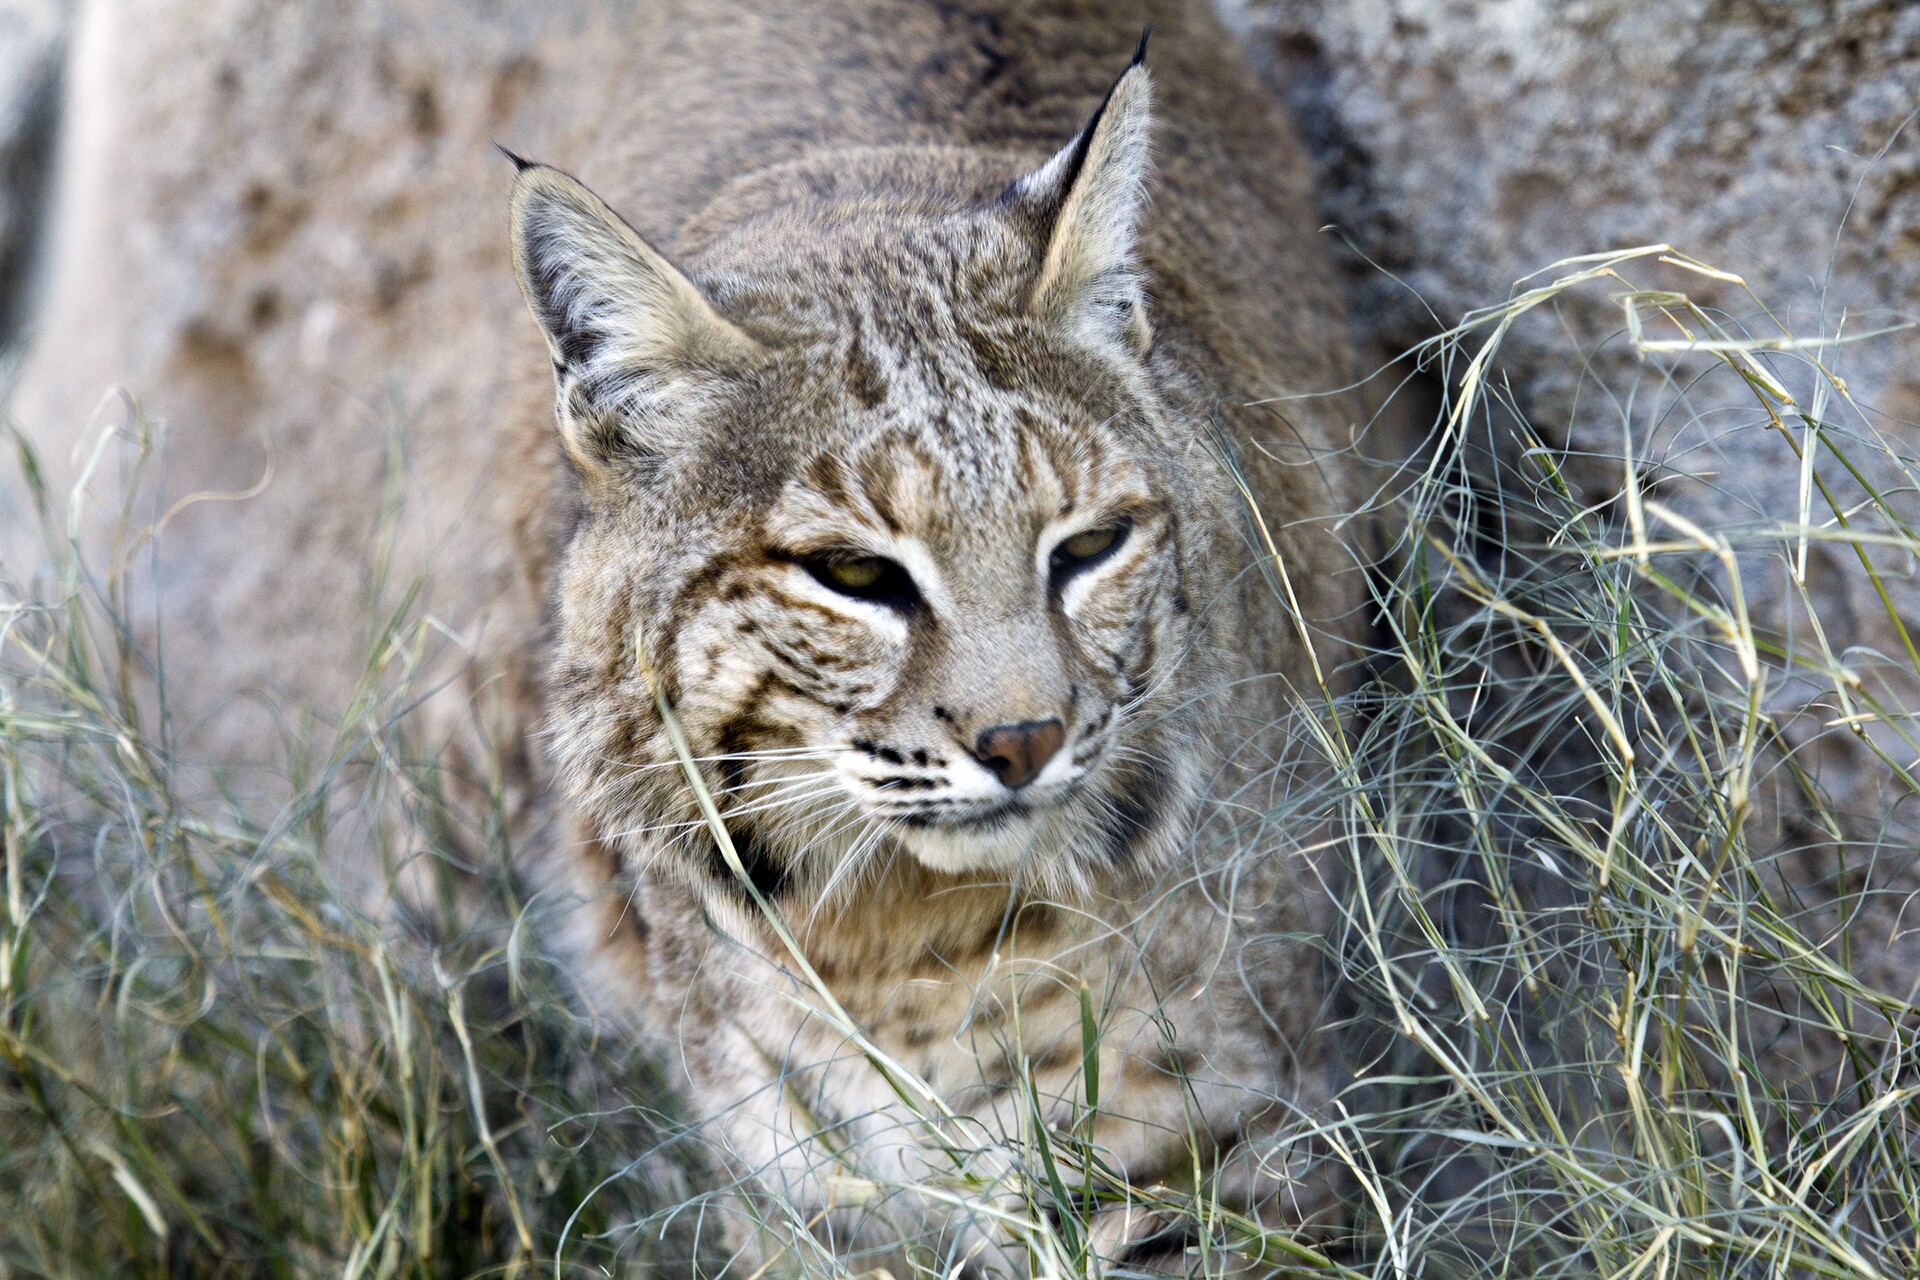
(1630, 990)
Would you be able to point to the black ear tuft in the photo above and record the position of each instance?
(1140, 52)
(520, 163)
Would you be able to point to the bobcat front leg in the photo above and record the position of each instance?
(829, 1156)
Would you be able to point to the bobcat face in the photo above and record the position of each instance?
(955, 624)
(889, 498)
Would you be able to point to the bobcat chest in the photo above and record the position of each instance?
(1053, 1020)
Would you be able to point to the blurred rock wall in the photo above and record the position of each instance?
(1463, 144)
(31, 43)
(274, 247)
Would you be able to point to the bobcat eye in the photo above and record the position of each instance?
(865, 578)
(1087, 548)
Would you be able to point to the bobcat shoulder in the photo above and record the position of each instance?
(902, 432)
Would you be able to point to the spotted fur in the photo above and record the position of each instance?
(953, 355)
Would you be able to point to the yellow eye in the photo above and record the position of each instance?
(872, 578)
(855, 575)
(1087, 545)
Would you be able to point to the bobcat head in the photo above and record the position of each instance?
(890, 484)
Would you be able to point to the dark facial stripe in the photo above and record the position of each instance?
(763, 870)
(1132, 813)
(700, 587)
(741, 734)
(865, 381)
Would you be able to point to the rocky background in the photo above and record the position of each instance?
(1464, 144)
(31, 45)
(265, 186)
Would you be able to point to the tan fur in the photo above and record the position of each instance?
(922, 340)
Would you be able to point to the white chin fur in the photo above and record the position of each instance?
(960, 851)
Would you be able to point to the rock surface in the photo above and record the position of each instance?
(281, 231)
(30, 46)
(1463, 145)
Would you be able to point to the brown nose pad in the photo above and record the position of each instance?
(1017, 752)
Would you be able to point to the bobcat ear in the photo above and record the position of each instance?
(1087, 202)
(632, 338)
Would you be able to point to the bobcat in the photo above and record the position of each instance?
(913, 483)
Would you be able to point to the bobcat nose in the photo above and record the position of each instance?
(1017, 752)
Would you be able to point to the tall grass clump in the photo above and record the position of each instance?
(1632, 854)
(220, 1053)
(1623, 816)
